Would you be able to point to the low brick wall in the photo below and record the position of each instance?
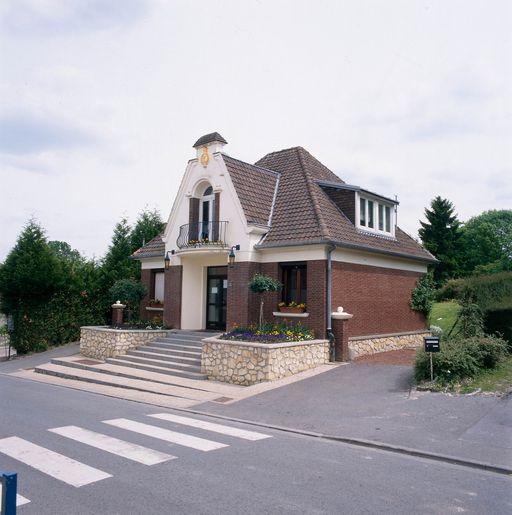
(102, 342)
(365, 345)
(250, 363)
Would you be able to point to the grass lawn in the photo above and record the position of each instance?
(444, 315)
(497, 380)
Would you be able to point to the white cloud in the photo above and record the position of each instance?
(404, 98)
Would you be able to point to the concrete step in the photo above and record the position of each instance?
(179, 341)
(176, 346)
(155, 376)
(160, 363)
(96, 377)
(173, 352)
(131, 373)
(173, 358)
(161, 370)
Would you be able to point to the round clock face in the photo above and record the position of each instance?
(205, 158)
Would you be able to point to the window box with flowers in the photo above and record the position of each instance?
(292, 307)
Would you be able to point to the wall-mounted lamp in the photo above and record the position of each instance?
(167, 259)
(231, 255)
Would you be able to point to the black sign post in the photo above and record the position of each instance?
(431, 345)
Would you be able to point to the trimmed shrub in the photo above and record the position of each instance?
(422, 296)
(460, 359)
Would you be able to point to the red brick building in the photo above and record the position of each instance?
(330, 244)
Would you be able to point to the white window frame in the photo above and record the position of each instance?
(375, 201)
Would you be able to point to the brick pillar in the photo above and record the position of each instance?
(172, 296)
(340, 331)
(117, 313)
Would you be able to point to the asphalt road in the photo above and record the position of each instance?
(281, 474)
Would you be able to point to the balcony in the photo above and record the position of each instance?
(203, 234)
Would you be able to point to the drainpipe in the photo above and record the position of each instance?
(329, 333)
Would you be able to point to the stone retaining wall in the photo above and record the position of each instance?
(250, 363)
(365, 345)
(102, 342)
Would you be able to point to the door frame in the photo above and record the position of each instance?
(224, 297)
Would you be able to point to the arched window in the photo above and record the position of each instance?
(206, 214)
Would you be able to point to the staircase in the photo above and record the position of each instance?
(179, 354)
(173, 360)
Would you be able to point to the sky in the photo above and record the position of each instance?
(102, 100)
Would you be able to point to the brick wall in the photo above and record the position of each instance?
(172, 297)
(242, 306)
(316, 307)
(377, 297)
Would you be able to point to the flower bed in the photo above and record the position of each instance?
(270, 333)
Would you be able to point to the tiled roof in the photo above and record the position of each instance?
(304, 213)
(153, 248)
(209, 138)
(255, 187)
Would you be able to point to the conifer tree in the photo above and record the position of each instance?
(31, 273)
(440, 235)
(148, 225)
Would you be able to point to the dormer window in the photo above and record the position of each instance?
(375, 216)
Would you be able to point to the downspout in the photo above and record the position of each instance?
(329, 333)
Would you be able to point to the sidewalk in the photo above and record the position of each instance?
(375, 402)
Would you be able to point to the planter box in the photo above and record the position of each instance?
(247, 363)
(291, 310)
(102, 342)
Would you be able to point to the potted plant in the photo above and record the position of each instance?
(156, 303)
(292, 307)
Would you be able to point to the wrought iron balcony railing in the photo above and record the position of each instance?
(202, 234)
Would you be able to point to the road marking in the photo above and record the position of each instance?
(106, 443)
(52, 463)
(194, 442)
(20, 500)
(209, 426)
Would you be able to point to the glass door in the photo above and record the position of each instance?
(216, 297)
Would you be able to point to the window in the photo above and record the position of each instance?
(370, 214)
(159, 286)
(294, 279)
(388, 219)
(375, 216)
(362, 211)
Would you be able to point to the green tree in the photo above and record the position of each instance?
(129, 292)
(31, 273)
(487, 243)
(440, 235)
(262, 284)
(422, 297)
(117, 263)
(148, 225)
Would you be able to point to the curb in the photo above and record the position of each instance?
(372, 444)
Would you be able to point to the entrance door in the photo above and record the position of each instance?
(216, 297)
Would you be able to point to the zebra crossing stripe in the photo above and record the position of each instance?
(52, 463)
(194, 442)
(209, 426)
(106, 443)
(20, 500)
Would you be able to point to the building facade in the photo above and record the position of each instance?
(329, 243)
